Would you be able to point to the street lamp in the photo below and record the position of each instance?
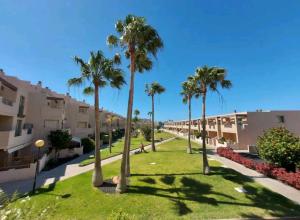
(39, 144)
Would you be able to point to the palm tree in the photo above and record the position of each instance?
(188, 90)
(136, 116)
(99, 71)
(208, 79)
(110, 119)
(151, 90)
(139, 40)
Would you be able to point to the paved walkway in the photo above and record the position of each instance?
(61, 172)
(272, 184)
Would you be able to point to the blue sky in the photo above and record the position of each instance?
(256, 41)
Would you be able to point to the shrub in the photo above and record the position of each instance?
(146, 131)
(267, 169)
(59, 139)
(104, 137)
(280, 147)
(88, 145)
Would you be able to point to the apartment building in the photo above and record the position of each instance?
(29, 112)
(239, 129)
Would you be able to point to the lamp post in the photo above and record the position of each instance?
(39, 144)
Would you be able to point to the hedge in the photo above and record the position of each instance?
(270, 170)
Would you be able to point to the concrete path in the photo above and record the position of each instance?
(61, 172)
(272, 184)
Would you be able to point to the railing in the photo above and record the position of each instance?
(18, 163)
(7, 101)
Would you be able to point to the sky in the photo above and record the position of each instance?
(258, 42)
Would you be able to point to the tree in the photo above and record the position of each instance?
(146, 131)
(151, 90)
(99, 71)
(280, 147)
(59, 139)
(136, 115)
(208, 79)
(110, 119)
(135, 119)
(188, 90)
(140, 41)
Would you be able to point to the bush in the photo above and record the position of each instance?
(104, 137)
(290, 178)
(280, 147)
(88, 145)
(146, 131)
(59, 139)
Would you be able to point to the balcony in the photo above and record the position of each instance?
(229, 125)
(7, 107)
(10, 142)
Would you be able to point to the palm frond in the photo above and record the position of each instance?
(89, 90)
(76, 81)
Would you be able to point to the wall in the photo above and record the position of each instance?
(17, 174)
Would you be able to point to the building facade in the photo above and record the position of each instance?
(29, 112)
(239, 130)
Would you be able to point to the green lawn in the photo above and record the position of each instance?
(172, 188)
(117, 147)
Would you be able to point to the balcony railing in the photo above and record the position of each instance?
(17, 163)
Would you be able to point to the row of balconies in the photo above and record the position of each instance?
(226, 125)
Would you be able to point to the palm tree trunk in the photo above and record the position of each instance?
(110, 137)
(189, 150)
(121, 187)
(128, 158)
(152, 130)
(97, 178)
(205, 161)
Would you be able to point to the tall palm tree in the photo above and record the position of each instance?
(140, 41)
(110, 119)
(209, 79)
(151, 90)
(136, 114)
(188, 90)
(99, 72)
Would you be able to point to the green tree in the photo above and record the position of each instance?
(188, 90)
(99, 71)
(110, 120)
(146, 131)
(208, 79)
(59, 139)
(280, 147)
(151, 90)
(140, 41)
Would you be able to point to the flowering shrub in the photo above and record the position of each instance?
(280, 147)
(290, 178)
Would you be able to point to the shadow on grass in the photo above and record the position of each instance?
(164, 174)
(191, 189)
(48, 191)
(148, 180)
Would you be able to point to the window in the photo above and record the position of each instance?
(83, 110)
(82, 124)
(21, 106)
(18, 131)
(280, 118)
(54, 124)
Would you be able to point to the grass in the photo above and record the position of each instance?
(173, 188)
(117, 147)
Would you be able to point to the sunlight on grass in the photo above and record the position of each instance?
(117, 147)
(173, 188)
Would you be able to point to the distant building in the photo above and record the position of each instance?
(239, 129)
(29, 112)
